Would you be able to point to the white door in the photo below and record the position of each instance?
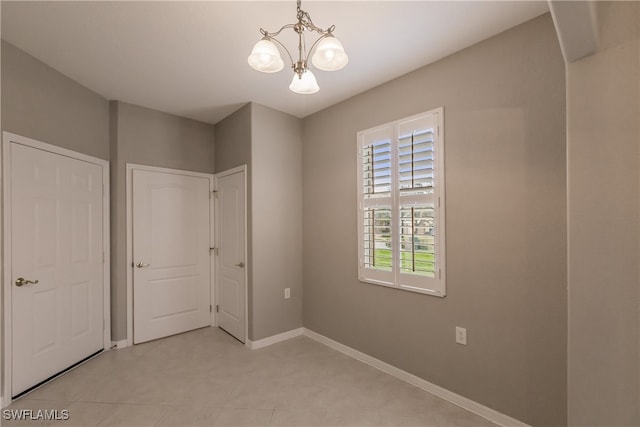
(57, 244)
(231, 262)
(171, 271)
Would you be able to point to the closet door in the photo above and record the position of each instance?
(57, 263)
(171, 261)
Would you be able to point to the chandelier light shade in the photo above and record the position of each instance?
(305, 84)
(265, 57)
(328, 53)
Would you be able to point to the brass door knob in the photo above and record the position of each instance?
(21, 281)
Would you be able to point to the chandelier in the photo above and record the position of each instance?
(328, 53)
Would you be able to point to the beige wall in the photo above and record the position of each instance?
(233, 140)
(40, 103)
(276, 158)
(148, 137)
(269, 143)
(504, 103)
(603, 216)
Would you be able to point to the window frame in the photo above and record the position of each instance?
(395, 278)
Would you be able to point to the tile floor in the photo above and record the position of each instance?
(207, 378)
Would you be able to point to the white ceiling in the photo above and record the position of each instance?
(190, 58)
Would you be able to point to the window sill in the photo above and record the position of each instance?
(430, 292)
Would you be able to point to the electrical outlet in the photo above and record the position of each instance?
(287, 293)
(461, 335)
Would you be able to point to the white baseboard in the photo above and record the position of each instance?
(468, 404)
(119, 344)
(254, 345)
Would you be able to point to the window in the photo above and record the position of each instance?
(401, 240)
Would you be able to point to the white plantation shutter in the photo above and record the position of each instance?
(419, 200)
(417, 240)
(377, 238)
(415, 162)
(376, 163)
(401, 204)
(375, 222)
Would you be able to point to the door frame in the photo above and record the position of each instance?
(8, 139)
(129, 225)
(232, 171)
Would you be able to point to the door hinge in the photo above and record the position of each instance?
(217, 308)
(439, 273)
(210, 308)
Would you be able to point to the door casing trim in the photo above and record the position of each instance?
(129, 225)
(238, 169)
(7, 139)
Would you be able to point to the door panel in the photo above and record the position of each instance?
(231, 285)
(171, 285)
(57, 239)
(174, 296)
(80, 227)
(80, 303)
